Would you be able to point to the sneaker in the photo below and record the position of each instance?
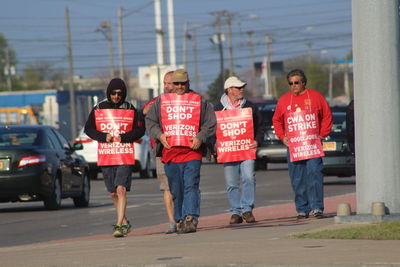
(302, 215)
(249, 217)
(235, 219)
(190, 224)
(171, 228)
(126, 228)
(318, 214)
(118, 231)
(179, 226)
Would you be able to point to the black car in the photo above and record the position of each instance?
(38, 164)
(272, 150)
(338, 160)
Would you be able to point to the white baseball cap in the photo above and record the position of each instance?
(233, 81)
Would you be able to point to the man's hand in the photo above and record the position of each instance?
(163, 140)
(285, 141)
(109, 138)
(147, 108)
(196, 143)
(254, 145)
(117, 138)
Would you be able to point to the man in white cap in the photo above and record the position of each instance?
(241, 199)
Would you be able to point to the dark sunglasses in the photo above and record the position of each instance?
(296, 82)
(116, 93)
(180, 83)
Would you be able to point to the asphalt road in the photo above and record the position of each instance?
(24, 223)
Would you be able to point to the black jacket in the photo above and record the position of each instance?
(128, 137)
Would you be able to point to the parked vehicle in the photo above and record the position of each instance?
(38, 164)
(144, 161)
(338, 160)
(18, 115)
(272, 150)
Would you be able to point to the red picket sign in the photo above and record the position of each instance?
(180, 117)
(235, 134)
(302, 129)
(114, 122)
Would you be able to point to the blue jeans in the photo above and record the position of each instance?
(184, 179)
(307, 183)
(241, 199)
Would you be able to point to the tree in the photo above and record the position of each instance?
(317, 75)
(7, 58)
(216, 88)
(35, 75)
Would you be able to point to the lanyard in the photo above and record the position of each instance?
(309, 104)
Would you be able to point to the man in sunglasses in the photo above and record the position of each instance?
(241, 198)
(182, 162)
(117, 178)
(302, 118)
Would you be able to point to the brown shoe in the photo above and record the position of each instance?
(179, 226)
(249, 217)
(189, 225)
(236, 219)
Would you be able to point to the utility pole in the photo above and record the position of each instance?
(195, 61)
(251, 49)
(221, 56)
(171, 32)
(186, 36)
(376, 86)
(330, 88)
(346, 80)
(105, 29)
(121, 47)
(159, 32)
(252, 61)
(267, 72)
(230, 46)
(217, 24)
(8, 68)
(159, 42)
(70, 76)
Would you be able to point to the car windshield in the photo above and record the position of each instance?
(339, 122)
(267, 114)
(18, 137)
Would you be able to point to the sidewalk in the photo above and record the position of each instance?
(268, 242)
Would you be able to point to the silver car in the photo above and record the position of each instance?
(144, 161)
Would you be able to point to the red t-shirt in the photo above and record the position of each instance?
(179, 154)
(310, 99)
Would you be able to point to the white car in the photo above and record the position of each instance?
(144, 161)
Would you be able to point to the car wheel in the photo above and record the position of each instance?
(93, 174)
(260, 164)
(83, 199)
(53, 202)
(145, 173)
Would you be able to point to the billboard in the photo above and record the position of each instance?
(151, 76)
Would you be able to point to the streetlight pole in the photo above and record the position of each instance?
(267, 71)
(121, 46)
(70, 76)
(105, 29)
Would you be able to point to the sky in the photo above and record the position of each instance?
(36, 30)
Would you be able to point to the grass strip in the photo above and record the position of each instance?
(380, 231)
